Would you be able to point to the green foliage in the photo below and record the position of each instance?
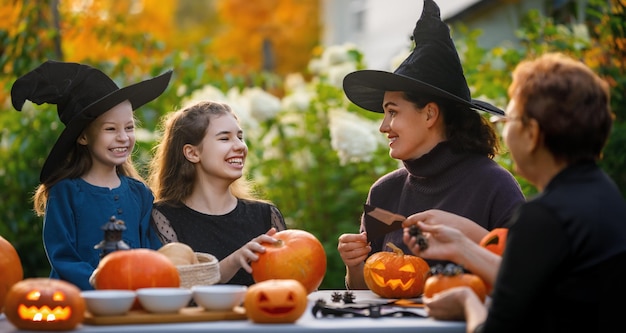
(25, 139)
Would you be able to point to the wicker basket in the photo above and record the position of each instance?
(207, 272)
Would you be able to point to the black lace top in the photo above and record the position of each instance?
(219, 235)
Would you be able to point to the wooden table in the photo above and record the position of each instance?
(307, 323)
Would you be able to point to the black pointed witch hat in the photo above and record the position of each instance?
(433, 67)
(81, 94)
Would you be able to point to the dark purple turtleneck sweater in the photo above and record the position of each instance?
(469, 185)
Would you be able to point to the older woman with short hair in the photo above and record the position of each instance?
(565, 258)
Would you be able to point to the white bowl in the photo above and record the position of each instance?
(164, 300)
(109, 302)
(219, 297)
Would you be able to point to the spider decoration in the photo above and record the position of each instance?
(414, 231)
(348, 297)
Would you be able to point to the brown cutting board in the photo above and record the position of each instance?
(189, 314)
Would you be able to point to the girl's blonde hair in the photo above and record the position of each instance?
(171, 175)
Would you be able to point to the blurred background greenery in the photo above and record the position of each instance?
(312, 152)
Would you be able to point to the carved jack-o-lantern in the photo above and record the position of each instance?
(394, 274)
(44, 304)
(275, 301)
(495, 240)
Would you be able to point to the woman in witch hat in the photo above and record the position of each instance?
(434, 127)
(88, 176)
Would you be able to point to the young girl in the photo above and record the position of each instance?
(88, 176)
(201, 198)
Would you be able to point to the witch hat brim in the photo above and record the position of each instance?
(138, 94)
(432, 68)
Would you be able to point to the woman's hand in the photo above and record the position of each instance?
(439, 217)
(444, 243)
(447, 243)
(353, 250)
(458, 303)
(448, 304)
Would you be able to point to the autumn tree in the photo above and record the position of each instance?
(272, 35)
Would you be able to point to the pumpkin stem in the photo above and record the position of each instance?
(395, 249)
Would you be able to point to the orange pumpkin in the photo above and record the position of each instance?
(495, 240)
(395, 274)
(44, 304)
(275, 301)
(10, 269)
(453, 276)
(297, 255)
(134, 269)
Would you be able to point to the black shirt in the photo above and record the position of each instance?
(221, 235)
(564, 266)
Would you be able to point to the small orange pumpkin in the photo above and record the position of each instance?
(44, 304)
(275, 301)
(495, 240)
(10, 269)
(453, 276)
(395, 274)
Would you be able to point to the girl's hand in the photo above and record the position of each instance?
(248, 252)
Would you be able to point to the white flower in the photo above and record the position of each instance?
(207, 93)
(335, 55)
(334, 58)
(581, 32)
(338, 72)
(297, 101)
(241, 107)
(294, 82)
(352, 137)
(181, 90)
(262, 105)
(316, 66)
(291, 124)
(270, 149)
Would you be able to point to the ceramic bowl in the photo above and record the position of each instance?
(108, 302)
(219, 297)
(164, 300)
